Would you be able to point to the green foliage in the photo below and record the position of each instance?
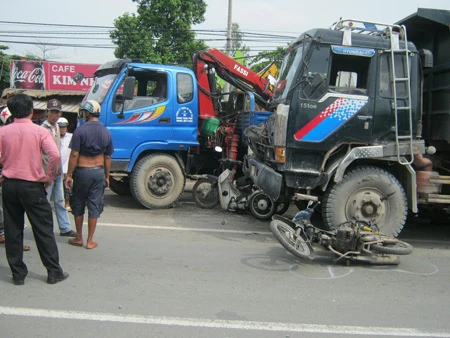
(160, 32)
(264, 59)
(236, 40)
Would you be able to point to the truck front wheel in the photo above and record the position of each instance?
(368, 194)
(157, 181)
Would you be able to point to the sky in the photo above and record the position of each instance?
(277, 17)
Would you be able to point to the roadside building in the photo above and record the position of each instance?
(43, 80)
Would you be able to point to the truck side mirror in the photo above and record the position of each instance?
(312, 87)
(128, 87)
(427, 58)
(128, 92)
(78, 77)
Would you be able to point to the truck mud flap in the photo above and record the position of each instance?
(265, 178)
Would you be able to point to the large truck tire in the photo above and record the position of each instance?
(157, 181)
(120, 186)
(370, 194)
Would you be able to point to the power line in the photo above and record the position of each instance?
(200, 31)
(59, 44)
(98, 33)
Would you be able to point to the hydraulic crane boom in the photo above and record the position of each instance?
(210, 62)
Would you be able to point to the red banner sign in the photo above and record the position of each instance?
(42, 75)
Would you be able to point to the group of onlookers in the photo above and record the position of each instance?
(45, 163)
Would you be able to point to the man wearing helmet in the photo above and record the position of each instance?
(88, 172)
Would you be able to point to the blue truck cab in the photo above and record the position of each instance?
(152, 113)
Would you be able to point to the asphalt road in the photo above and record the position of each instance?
(189, 272)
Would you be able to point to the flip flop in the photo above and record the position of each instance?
(26, 248)
(71, 242)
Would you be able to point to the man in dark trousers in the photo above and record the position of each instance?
(21, 146)
(89, 166)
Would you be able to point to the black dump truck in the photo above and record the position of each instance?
(361, 121)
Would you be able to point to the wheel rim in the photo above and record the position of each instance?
(160, 182)
(289, 235)
(206, 193)
(367, 205)
(287, 232)
(262, 204)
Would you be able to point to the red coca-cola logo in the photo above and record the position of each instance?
(28, 75)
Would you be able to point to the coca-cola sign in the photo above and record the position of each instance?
(42, 75)
(27, 75)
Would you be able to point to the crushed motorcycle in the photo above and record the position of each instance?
(234, 194)
(351, 241)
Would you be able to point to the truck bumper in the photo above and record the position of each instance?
(263, 176)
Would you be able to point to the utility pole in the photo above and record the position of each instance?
(227, 86)
(230, 11)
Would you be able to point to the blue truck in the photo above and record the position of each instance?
(166, 121)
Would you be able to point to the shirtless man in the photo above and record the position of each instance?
(88, 171)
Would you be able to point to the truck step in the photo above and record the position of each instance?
(440, 180)
(435, 198)
(400, 79)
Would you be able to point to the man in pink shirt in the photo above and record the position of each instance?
(21, 146)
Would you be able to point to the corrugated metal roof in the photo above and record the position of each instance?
(70, 100)
(41, 93)
(69, 104)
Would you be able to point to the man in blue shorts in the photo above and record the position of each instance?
(88, 171)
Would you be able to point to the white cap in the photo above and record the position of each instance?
(62, 122)
(5, 115)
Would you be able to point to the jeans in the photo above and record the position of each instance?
(55, 193)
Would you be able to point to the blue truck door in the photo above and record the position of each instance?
(185, 111)
(147, 120)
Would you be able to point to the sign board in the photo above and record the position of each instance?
(43, 75)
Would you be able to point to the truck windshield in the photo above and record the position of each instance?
(291, 63)
(101, 87)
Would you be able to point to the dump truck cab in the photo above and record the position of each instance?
(348, 97)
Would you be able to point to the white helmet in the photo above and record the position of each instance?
(5, 115)
(62, 122)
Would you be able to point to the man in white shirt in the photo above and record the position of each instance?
(65, 152)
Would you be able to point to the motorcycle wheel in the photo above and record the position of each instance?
(206, 193)
(282, 206)
(262, 206)
(289, 240)
(392, 246)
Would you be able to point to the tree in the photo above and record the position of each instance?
(45, 52)
(160, 32)
(4, 68)
(264, 59)
(236, 42)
